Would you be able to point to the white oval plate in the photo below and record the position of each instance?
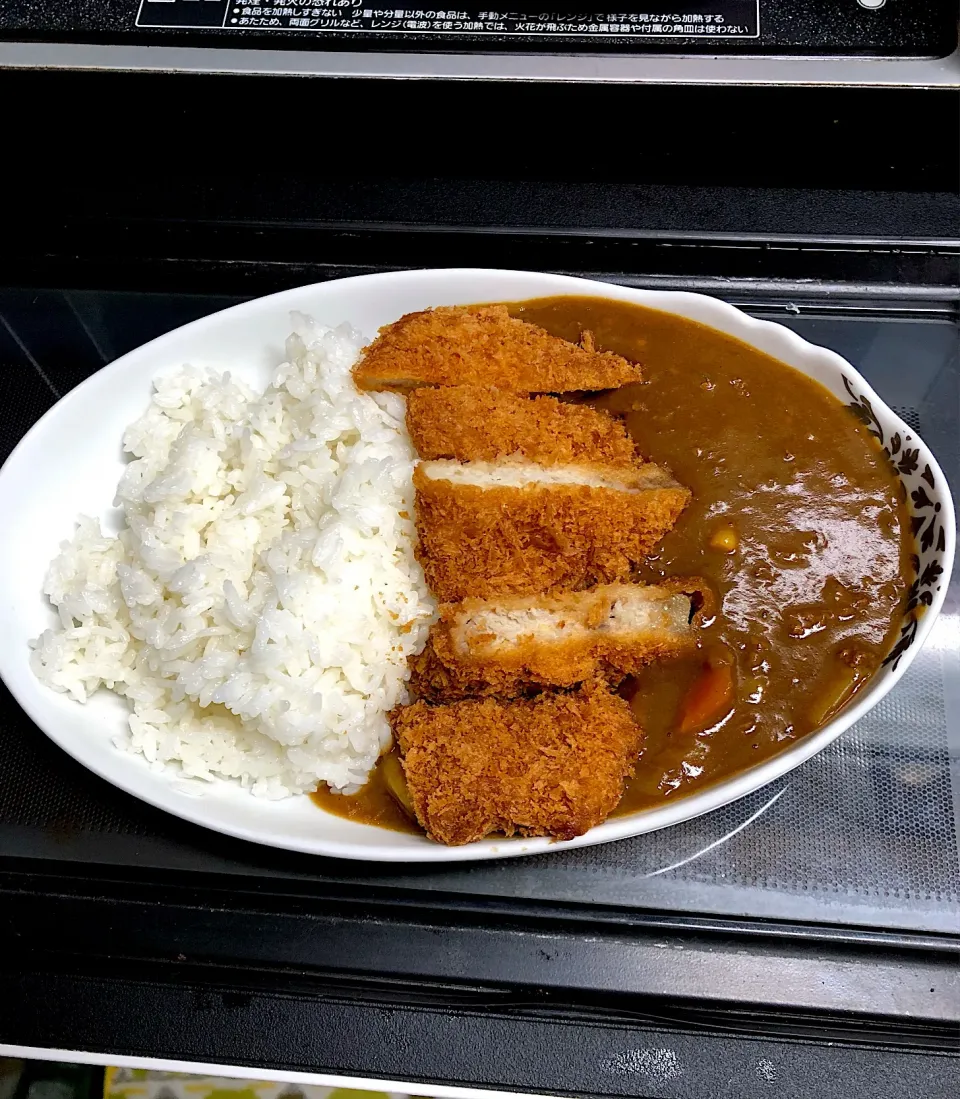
(71, 460)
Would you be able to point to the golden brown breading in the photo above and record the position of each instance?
(537, 538)
(516, 645)
(480, 423)
(484, 345)
(550, 766)
(435, 681)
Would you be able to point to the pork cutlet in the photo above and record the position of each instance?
(512, 645)
(554, 765)
(484, 345)
(521, 528)
(472, 423)
(523, 495)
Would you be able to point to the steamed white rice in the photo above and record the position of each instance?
(259, 604)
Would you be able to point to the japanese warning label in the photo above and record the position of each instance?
(650, 21)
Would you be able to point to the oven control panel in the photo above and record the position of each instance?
(809, 28)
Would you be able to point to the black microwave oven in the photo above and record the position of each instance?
(167, 158)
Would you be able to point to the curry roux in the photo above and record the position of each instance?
(797, 520)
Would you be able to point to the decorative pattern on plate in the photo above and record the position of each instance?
(926, 523)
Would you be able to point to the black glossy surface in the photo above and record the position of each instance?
(530, 1048)
(192, 145)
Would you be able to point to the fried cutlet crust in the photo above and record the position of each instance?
(443, 672)
(472, 423)
(488, 541)
(484, 345)
(433, 680)
(550, 766)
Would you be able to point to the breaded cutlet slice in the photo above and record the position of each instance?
(550, 766)
(520, 528)
(509, 645)
(484, 345)
(472, 423)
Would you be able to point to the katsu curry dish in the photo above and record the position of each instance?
(508, 569)
(658, 557)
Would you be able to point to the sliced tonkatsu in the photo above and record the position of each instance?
(484, 345)
(550, 766)
(509, 645)
(472, 423)
(487, 529)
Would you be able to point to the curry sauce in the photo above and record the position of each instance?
(797, 521)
